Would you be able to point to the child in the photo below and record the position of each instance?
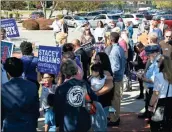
(50, 125)
(97, 82)
(98, 78)
(48, 86)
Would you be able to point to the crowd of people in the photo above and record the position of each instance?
(69, 100)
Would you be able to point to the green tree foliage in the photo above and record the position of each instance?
(11, 5)
(162, 4)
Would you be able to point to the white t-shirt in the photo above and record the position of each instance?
(99, 32)
(161, 85)
(57, 26)
(97, 84)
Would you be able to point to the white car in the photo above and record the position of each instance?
(105, 18)
(136, 19)
(75, 21)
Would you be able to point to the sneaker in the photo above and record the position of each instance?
(112, 124)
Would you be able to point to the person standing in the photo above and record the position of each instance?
(157, 30)
(120, 24)
(29, 62)
(57, 26)
(69, 103)
(118, 61)
(152, 52)
(19, 99)
(78, 50)
(162, 26)
(99, 32)
(162, 97)
(166, 47)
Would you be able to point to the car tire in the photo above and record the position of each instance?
(75, 25)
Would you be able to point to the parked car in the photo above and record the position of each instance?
(115, 12)
(105, 18)
(74, 21)
(136, 19)
(91, 15)
(36, 14)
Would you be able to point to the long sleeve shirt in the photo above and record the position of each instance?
(117, 60)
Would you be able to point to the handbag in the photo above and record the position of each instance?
(160, 110)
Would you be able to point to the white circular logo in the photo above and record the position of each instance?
(75, 96)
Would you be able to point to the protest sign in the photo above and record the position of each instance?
(49, 59)
(11, 27)
(6, 50)
(88, 46)
(78, 60)
(99, 47)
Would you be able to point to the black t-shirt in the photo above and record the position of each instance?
(70, 114)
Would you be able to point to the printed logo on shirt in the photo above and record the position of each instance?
(75, 96)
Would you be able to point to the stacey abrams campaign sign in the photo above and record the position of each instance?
(11, 27)
(49, 59)
(6, 50)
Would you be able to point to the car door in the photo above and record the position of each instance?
(70, 19)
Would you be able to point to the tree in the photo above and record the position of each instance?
(11, 5)
(162, 4)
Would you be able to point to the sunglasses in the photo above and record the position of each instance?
(168, 36)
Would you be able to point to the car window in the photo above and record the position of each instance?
(170, 17)
(114, 17)
(130, 16)
(89, 14)
(95, 13)
(101, 17)
(139, 16)
(81, 14)
(66, 17)
(70, 18)
(78, 18)
(104, 12)
(123, 16)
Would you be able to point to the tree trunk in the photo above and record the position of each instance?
(43, 4)
(53, 8)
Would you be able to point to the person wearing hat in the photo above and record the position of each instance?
(152, 51)
(56, 25)
(162, 25)
(143, 38)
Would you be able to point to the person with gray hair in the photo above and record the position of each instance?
(70, 99)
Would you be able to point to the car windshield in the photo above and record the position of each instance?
(81, 14)
(78, 18)
(139, 16)
(114, 17)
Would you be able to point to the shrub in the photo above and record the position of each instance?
(44, 23)
(30, 24)
(11, 15)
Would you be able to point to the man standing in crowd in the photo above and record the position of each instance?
(56, 25)
(120, 24)
(79, 51)
(162, 26)
(118, 61)
(20, 102)
(157, 30)
(29, 62)
(166, 47)
(152, 52)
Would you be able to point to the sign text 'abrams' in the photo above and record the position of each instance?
(49, 59)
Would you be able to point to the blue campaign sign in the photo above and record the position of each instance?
(11, 27)
(6, 50)
(78, 60)
(49, 59)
